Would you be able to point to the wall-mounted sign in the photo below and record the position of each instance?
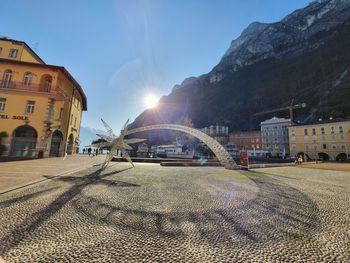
(15, 117)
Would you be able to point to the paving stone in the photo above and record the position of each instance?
(171, 214)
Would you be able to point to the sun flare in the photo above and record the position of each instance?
(151, 101)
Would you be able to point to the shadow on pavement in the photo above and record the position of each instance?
(24, 198)
(33, 222)
(278, 213)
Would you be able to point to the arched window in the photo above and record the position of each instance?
(27, 79)
(6, 80)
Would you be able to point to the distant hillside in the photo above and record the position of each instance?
(305, 57)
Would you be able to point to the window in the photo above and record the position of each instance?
(305, 132)
(334, 146)
(75, 122)
(307, 147)
(13, 53)
(341, 130)
(30, 107)
(324, 146)
(315, 147)
(332, 130)
(71, 119)
(61, 113)
(0, 50)
(322, 131)
(27, 79)
(2, 104)
(343, 147)
(313, 131)
(6, 80)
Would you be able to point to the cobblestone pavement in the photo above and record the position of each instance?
(20, 173)
(170, 214)
(330, 166)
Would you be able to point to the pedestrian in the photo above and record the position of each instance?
(300, 159)
(96, 151)
(89, 151)
(83, 150)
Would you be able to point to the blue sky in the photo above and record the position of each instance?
(121, 51)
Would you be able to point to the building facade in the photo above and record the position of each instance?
(325, 140)
(247, 140)
(40, 105)
(274, 136)
(219, 133)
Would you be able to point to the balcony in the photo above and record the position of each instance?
(52, 91)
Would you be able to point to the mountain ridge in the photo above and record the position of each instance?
(299, 57)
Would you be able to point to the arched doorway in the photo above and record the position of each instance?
(323, 156)
(70, 144)
(56, 140)
(45, 83)
(341, 157)
(24, 141)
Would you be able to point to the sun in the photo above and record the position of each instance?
(151, 101)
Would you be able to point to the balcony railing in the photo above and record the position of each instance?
(36, 88)
(12, 85)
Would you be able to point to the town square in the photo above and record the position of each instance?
(169, 214)
(175, 131)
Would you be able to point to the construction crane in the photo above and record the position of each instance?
(291, 107)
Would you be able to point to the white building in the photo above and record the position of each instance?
(274, 136)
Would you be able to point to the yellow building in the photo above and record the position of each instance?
(40, 105)
(325, 140)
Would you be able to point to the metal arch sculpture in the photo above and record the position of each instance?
(220, 152)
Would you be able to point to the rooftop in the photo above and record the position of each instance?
(323, 121)
(25, 44)
(275, 120)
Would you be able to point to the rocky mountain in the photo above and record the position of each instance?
(305, 57)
